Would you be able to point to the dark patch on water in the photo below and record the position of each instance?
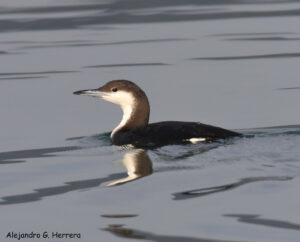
(127, 65)
(119, 13)
(144, 41)
(185, 151)
(127, 5)
(250, 57)
(23, 77)
(250, 34)
(18, 42)
(19, 156)
(255, 219)
(265, 39)
(289, 88)
(276, 131)
(33, 73)
(119, 215)
(76, 138)
(40, 193)
(216, 189)
(120, 231)
(3, 52)
(52, 9)
(295, 126)
(63, 44)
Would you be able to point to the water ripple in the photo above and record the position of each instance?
(84, 43)
(40, 193)
(127, 65)
(289, 88)
(216, 189)
(19, 156)
(265, 39)
(33, 73)
(125, 12)
(255, 219)
(250, 57)
(128, 233)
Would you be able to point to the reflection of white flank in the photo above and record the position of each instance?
(137, 164)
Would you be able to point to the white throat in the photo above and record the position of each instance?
(126, 101)
(127, 111)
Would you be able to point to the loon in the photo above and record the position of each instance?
(134, 128)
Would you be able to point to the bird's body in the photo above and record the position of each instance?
(134, 128)
(168, 132)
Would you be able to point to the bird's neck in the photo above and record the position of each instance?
(134, 116)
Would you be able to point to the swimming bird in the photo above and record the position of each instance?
(134, 128)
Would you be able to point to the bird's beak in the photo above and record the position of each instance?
(90, 92)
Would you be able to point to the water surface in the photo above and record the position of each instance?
(233, 64)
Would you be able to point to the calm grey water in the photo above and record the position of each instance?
(233, 64)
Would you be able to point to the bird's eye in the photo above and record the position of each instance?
(114, 89)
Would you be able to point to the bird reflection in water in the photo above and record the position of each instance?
(137, 164)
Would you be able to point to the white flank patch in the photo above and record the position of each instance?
(195, 140)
